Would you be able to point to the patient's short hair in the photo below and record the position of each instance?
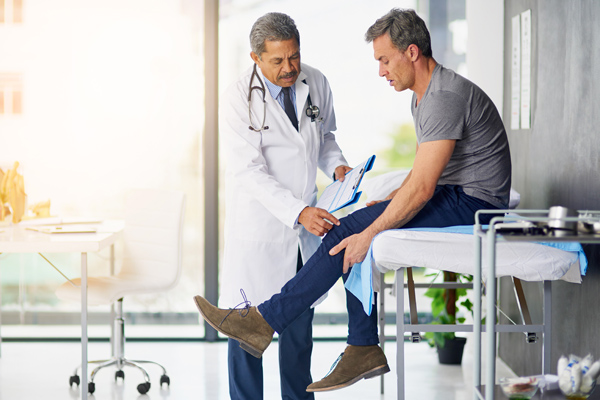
(405, 27)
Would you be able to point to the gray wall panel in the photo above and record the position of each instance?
(557, 162)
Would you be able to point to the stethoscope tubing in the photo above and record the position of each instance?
(311, 111)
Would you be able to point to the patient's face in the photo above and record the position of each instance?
(394, 65)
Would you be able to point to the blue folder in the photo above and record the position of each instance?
(341, 194)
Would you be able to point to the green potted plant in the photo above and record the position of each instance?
(445, 305)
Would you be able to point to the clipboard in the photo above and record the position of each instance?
(341, 194)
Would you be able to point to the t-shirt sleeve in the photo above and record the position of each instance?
(445, 118)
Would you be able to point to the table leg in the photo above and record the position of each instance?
(0, 312)
(84, 333)
(477, 318)
(547, 343)
(400, 332)
(382, 324)
(112, 306)
(491, 316)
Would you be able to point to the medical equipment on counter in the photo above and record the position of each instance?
(519, 388)
(312, 111)
(577, 376)
(560, 222)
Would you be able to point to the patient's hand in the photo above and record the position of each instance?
(317, 220)
(373, 202)
(356, 247)
(389, 197)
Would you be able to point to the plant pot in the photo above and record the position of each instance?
(452, 351)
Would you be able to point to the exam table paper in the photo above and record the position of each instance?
(360, 280)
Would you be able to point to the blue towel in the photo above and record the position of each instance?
(360, 281)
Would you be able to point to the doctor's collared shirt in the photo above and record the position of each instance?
(277, 92)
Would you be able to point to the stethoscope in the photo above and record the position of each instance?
(311, 111)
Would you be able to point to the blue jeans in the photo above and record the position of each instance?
(295, 350)
(449, 206)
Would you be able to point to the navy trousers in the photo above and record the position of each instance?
(449, 206)
(295, 350)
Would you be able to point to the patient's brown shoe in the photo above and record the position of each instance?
(245, 325)
(354, 364)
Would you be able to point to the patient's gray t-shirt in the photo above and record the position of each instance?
(455, 108)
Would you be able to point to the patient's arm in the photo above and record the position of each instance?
(393, 193)
(430, 161)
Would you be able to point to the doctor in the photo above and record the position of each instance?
(273, 148)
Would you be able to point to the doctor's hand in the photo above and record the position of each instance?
(317, 221)
(341, 171)
(356, 247)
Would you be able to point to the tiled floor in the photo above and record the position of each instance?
(198, 371)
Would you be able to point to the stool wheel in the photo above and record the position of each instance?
(74, 380)
(91, 387)
(143, 387)
(165, 379)
(120, 374)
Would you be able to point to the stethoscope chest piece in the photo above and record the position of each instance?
(312, 112)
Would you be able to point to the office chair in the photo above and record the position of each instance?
(151, 263)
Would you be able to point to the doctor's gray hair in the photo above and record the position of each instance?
(405, 27)
(272, 26)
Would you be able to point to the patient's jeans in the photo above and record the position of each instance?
(449, 206)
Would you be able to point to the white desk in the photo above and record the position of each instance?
(18, 239)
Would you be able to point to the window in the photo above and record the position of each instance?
(115, 107)
(11, 93)
(11, 11)
(17, 11)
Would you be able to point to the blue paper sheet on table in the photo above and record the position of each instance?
(360, 280)
(344, 193)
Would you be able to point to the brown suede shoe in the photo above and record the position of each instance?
(245, 325)
(354, 364)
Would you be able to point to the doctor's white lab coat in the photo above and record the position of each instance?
(270, 179)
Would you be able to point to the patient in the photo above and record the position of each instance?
(462, 165)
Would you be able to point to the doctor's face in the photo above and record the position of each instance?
(394, 65)
(280, 62)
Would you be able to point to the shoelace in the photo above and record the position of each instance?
(243, 311)
(335, 363)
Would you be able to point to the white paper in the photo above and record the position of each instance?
(526, 69)
(339, 193)
(515, 102)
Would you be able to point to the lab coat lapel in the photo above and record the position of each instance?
(301, 98)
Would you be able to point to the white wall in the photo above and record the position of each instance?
(485, 47)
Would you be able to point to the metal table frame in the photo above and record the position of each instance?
(491, 328)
